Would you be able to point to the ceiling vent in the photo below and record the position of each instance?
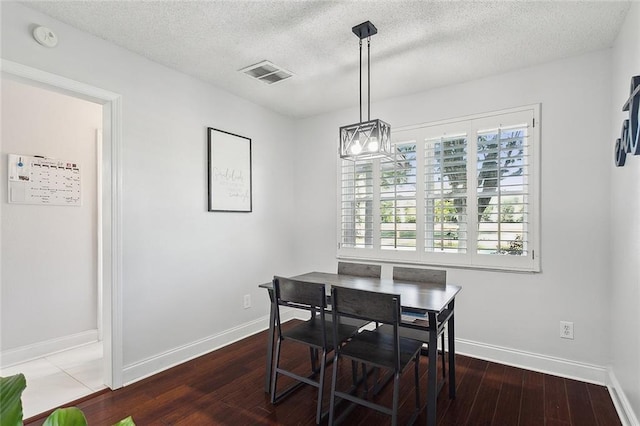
(266, 72)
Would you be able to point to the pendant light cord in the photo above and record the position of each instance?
(361, 80)
(368, 79)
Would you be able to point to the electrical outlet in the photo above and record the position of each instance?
(566, 330)
(247, 301)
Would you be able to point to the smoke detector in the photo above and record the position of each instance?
(45, 36)
(267, 72)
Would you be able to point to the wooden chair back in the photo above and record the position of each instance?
(299, 294)
(367, 305)
(359, 269)
(435, 276)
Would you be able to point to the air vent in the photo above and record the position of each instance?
(267, 72)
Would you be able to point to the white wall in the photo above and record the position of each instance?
(625, 226)
(514, 311)
(49, 273)
(185, 270)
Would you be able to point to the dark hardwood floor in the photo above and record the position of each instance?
(225, 387)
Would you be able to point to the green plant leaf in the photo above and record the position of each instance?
(71, 416)
(10, 403)
(125, 422)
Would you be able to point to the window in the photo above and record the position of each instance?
(457, 193)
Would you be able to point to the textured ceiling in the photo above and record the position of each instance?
(419, 45)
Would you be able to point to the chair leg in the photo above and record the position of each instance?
(444, 374)
(354, 373)
(321, 386)
(334, 379)
(376, 380)
(396, 392)
(364, 381)
(417, 377)
(274, 379)
(313, 352)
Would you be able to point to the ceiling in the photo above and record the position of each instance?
(420, 44)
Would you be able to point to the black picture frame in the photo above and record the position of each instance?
(229, 172)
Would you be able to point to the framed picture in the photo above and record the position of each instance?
(229, 172)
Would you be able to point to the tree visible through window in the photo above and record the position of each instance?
(502, 189)
(446, 194)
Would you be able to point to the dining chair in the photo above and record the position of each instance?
(421, 275)
(317, 333)
(373, 348)
(359, 269)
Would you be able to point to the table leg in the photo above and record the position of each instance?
(432, 374)
(270, 338)
(452, 352)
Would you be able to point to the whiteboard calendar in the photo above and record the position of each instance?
(43, 181)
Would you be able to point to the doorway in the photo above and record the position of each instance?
(109, 230)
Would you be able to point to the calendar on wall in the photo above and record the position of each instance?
(43, 181)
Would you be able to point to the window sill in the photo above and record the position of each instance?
(441, 264)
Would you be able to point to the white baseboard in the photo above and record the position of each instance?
(589, 373)
(517, 358)
(627, 416)
(38, 350)
(153, 365)
(531, 361)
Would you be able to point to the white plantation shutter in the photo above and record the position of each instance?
(356, 214)
(446, 194)
(398, 199)
(460, 192)
(502, 191)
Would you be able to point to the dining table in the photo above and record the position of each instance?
(427, 310)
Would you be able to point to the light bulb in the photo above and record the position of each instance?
(373, 145)
(356, 149)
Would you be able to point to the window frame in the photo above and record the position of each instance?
(472, 125)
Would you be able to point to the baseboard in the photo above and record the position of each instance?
(589, 373)
(620, 401)
(40, 349)
(522, 359)
(153, 365)
(531, 361)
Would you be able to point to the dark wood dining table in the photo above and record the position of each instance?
(431, 308)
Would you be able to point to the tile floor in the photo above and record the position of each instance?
(59, 378)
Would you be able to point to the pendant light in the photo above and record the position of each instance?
(372, 138)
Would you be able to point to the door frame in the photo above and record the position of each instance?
(110, 228)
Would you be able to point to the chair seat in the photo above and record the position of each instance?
(377, 349)
(310, 333)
